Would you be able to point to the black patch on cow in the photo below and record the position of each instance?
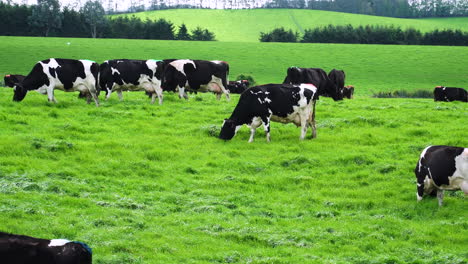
(11, 79)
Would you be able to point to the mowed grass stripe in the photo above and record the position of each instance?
(246, 25)
(370, 68)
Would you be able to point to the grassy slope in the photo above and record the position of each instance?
(246, 25)
(144, 183)
(368, 67)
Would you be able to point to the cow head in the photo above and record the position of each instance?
(293, 75)
(19, 92)
(228, 130)
(332, 90)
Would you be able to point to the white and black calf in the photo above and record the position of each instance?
(11, 79)
(283, 103)
(62, 74)
(449, 94)
(196, 76)
(442, 168)
(238, 87)
(318, 77)
(131, 75)
(18, 249)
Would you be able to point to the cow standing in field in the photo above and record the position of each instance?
(317, 77)
(348, 91)
(238, 87)
(283, 103)
(18, 249)
(11, 79)
(441, 168)
(449, 94)
(338, 78)
(197, 76)
(62, 74)
(134, 75)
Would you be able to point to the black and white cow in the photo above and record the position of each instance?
(63, 74)
(449, 94)
(18, 249)
(348, 91)
(317, 77)
(197, 76)
(337, 77)
(285, 103)
(11, 79)
(133, 75)
(238, 87)
(441, 168)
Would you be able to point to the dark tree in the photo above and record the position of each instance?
(183, 33)
(46, 16)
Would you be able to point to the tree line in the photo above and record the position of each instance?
(369, 34)
(48, 19)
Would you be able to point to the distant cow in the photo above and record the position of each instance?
(197, 76)
(11, 79)
(317, 77)
(338, 78)
(238, 87)
(442, 168)
(134, 75)
(285, 103)
(18, 249)
(348, 91)
(62, 74)
(449, 94)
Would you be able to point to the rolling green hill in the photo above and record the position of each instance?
(246, 25)
(371, 68)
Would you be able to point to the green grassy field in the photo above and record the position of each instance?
(246, 25)
(145, 183)
(370, 68)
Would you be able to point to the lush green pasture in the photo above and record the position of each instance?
(144, 183)
(246, 25)
(370, 68)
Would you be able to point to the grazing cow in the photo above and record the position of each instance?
(285, 103)
(442, 168)
(62, 74)
(348, 91)
(133, 75)
(449, 94)
(317, 77)
(337, 77)
(11, 79)
(18, 249)
(238, 87)
(197, 76)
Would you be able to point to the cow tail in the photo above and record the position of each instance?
(227, 76)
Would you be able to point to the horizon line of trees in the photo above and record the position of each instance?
(369, 34)
(47, 19)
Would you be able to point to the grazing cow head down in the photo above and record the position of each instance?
(19, 92)
(228, 130)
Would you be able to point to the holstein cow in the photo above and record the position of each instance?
(348, 91)
(238, 87)
(442, 168)
(317, 77)
(285, 103)
(11, 79)
(197, 76)
(18, 249)
(63, 74)
(133, 75)
(337, 77)
(449, 94)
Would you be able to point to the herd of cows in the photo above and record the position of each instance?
(439, 168)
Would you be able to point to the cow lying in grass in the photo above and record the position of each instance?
(18, 249)
(285, 103)
(442, 168)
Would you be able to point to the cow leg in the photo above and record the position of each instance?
(440, 196)
(266, 126)
(182, 93)
(94, 95)
(304, 125)
(119, 93)
(50, 93)
(420, 188)
(311, 121)
(256, 122)
(159, 93)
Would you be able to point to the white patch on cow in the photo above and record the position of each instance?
(217, 61)
(459, 179)
(58, 242)
(114, 70)
(423, 153)
(260, 100)
(179, 65)
(267, 100)
(237, 129)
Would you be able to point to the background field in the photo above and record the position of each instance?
(370, 68)
(246, 25)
